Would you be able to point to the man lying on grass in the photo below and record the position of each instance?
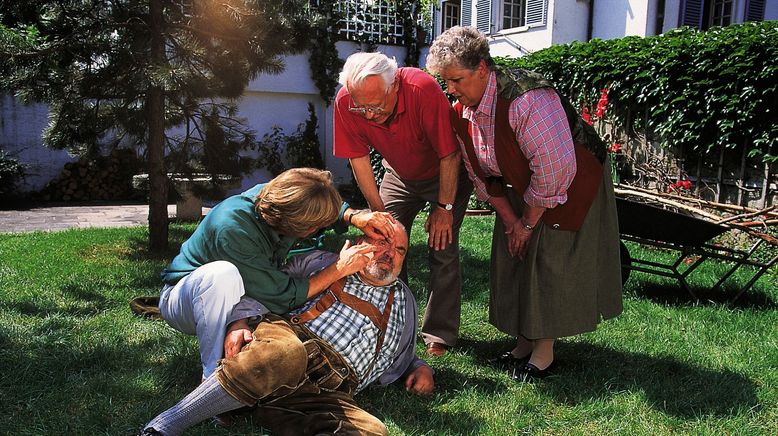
(300, 372)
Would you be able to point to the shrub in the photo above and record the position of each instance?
(11, 172)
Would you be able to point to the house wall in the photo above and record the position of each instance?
(569, 20)
(620, 18)
(21, 126)
(672, 14)
(519, 41)
(771, 10)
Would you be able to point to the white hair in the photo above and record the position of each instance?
(360, 66)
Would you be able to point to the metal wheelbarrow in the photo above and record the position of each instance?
(688, 238)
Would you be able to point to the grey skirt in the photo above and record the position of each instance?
(567, 282)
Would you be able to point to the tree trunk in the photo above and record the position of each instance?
(155, 103)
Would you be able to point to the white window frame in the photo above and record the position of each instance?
(535, 14)
(522, 6)
(451, 14)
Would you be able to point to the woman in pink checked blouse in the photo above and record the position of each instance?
(555, 247)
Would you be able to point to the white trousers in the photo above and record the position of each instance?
(200, 303)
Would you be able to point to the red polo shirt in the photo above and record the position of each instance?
(417, 137)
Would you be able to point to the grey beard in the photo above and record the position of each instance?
(377, 273)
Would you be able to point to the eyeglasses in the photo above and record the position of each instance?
(375, 109)
(362, 110)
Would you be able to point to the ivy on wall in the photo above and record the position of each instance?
(701, 90)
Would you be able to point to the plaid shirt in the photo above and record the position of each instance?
(353, 335)
(543, 135)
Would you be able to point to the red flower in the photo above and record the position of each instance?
(602, 105)
(679, 185)
(585, 113)
(614, 148)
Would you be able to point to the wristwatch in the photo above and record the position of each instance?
(526, 226)
(447, 206)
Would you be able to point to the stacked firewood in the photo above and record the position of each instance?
(102, 178)
(756, 222)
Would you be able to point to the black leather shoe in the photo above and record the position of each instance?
(529, 372)
(149, 432)
(508, 360)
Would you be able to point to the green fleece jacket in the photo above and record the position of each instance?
(233, 231)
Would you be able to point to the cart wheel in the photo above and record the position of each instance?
(626, 262)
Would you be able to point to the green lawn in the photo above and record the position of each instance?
(75, 360)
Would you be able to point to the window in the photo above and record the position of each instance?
(451, 14)
(522, 13)
(704, 14)
(720, 13)
(513, 14)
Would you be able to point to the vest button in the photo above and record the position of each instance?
(555, 226)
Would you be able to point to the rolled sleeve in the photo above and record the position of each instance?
(543, 134)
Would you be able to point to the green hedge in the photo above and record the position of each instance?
(697, 90)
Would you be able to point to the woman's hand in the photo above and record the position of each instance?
(352, 259)
(375, 225)
(518, 239)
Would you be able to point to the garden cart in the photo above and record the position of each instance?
(689, 238)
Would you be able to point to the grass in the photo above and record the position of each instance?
(76, 361)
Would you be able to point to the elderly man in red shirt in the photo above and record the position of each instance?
(404, 115)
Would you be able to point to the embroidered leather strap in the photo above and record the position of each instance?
(324, 303)
(336, 293)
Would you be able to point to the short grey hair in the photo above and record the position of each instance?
(360, 66)
(459, 47)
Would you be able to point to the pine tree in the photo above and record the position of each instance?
(133, 72)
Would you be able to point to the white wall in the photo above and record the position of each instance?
(619, 18)
(517, 43)
(20, 136)
(672, 14)
(569, 18)
(771, 10)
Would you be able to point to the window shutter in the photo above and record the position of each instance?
(755, 10)
(536, 12)
(467, 12)
(691, 13)
(483, 16)
(434, 15)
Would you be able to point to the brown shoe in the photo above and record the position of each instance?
(436, 349)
